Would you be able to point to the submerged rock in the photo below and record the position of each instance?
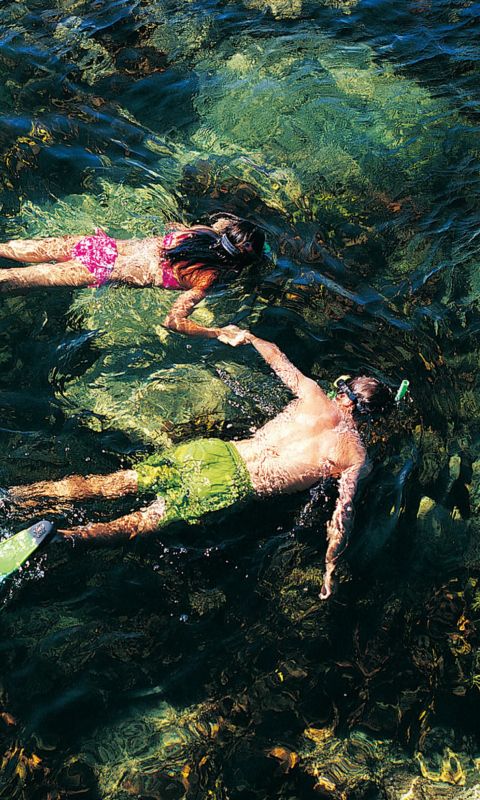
(474, 488)
(442, 536)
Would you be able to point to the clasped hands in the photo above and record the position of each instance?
(234, 336)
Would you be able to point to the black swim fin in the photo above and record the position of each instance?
(15, 550)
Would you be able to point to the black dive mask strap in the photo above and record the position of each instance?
(361, 408)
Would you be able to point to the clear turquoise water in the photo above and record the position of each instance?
(202, 663)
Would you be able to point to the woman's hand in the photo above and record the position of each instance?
(234, 336)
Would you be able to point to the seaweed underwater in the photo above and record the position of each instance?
(202, 664)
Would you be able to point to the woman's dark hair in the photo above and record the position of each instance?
(373, 397)
(237, 245)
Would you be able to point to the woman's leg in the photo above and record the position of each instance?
(37, 251)
(76, 487)
(44, 276)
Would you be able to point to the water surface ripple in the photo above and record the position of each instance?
(201, 663)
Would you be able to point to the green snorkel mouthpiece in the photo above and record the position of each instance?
(402, 391)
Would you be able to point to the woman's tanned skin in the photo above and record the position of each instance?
(138, 263)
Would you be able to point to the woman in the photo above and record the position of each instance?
(192, 260)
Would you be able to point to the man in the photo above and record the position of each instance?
(312, 439)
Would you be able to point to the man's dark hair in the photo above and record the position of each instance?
(374, 397)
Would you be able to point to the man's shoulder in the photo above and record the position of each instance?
(312, 392)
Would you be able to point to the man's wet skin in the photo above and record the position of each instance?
(312, 439)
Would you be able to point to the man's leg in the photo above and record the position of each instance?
(147, 520)
(37, 251)
(45, 276)
(76, 487)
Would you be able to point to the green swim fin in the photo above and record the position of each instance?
(16, 550)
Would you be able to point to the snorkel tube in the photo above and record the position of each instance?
(267, 250)
(402, 390)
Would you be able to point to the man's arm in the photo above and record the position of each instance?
(297, 382)
(339, 527)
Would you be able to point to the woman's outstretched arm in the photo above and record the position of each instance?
(177, 318)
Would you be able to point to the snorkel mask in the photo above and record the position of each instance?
(228, 245)
(361, 406)
(232, 250)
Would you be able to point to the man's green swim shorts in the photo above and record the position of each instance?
(196, 478)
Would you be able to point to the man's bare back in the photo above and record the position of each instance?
(313, 438)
